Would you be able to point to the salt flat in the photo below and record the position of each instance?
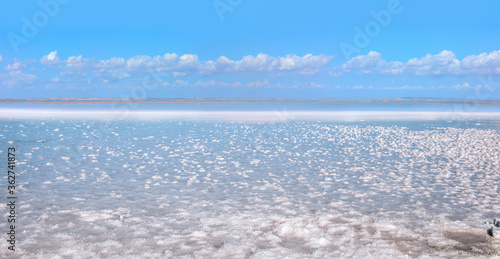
(260, 189)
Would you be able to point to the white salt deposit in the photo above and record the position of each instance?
(217, 189)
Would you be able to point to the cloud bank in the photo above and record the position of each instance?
(80, 70)
(118, 68)
(444, 63)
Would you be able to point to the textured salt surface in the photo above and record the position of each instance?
(219, 189)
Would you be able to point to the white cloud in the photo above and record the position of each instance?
(303, 85)
(307, 64)
(181, 83)
(116, 68)
(407, 87)
(177, 83)
(16, 78)
(17, 65)
(489, 62)
(224, 63)
(81, 69)
(258, 83)
(372, 60)
(466, 86)
(80, 75)
(209, 83)
(461, 86)
(50, 59)
(178, 74)
(1, 58)
(80, 62)
(189, 60)
(171, 58)
(214, 83)
(370, 63)
(393, 68)
(139, 62)
(443, 63)
(316, 85)
(262, 62)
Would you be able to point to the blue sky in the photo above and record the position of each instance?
(242, 48)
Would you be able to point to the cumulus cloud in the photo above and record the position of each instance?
(370, 61)
(461, 86)
(443, 63)
(177, 83)
(261, 62)
(224, 63)
(17, 65)
(258, 83)
(213, 83)
(178, 74)
(78, 62)
(489, 62)
(15, 78)
(50, 59)
(15, 75)
(82, 69)
(117, 68)
(306, 65)
(181, 83)
(407, 87)
(465, 86)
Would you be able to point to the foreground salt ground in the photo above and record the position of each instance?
(259, 190)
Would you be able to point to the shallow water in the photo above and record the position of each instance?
(225, 189)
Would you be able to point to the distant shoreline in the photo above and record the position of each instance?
(70, 100)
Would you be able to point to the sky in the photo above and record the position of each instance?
(250, 49)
